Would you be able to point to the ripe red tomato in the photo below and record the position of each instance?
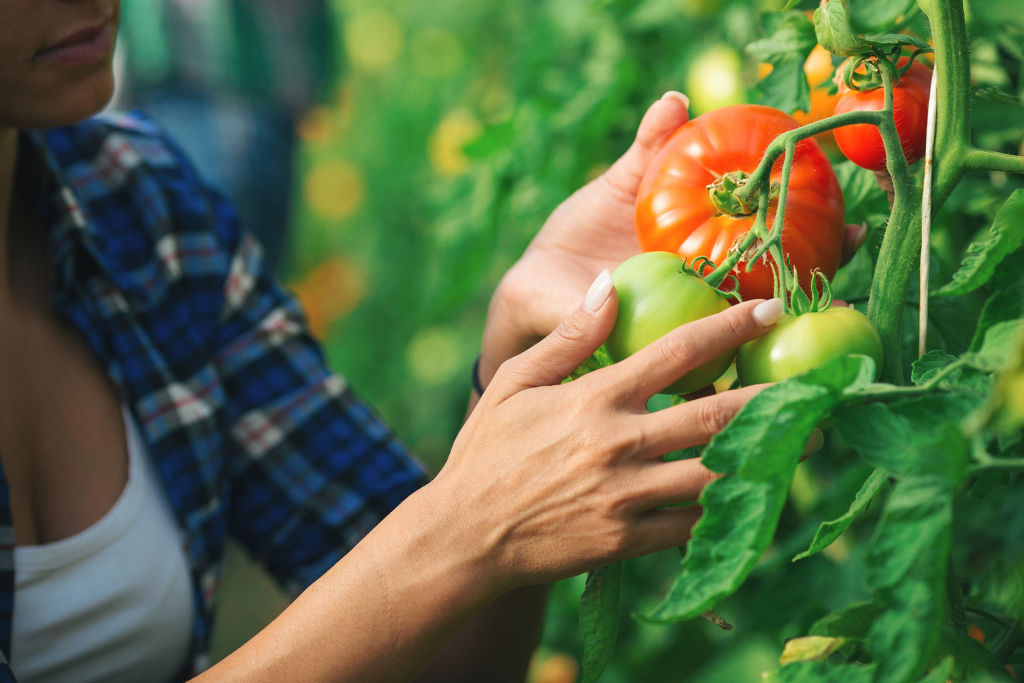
(862, 143)
(675, 210)
(804, 342)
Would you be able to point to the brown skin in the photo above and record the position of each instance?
(544, 481)
(61, 480)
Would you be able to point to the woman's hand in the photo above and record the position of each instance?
(590, 231)
(558, 478)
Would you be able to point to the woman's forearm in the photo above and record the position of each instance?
(384, 609)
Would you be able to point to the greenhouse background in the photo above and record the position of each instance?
(452, 131)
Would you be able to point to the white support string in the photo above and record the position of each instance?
(926, 217)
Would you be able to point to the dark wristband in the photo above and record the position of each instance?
(476, 377)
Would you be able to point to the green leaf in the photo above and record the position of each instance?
(929, 365)
(982, 256)
(810, 649)
(822, 672)
(972, 661)
(913, 437)
(893, 39)
(599, 619)
(1003, 305)
(830, 531)
(852, 621)
(790, 35)
(873, 16)
(906, 568)
(1002, 341)
(835, 31)
(761, 448)
(789, 42)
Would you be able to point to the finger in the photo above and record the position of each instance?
(660, 483)
(694, 422)
(853, 237)
(661, 120)
(551, 359)
(689, 346)
(664, 528)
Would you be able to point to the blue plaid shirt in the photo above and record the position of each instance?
(251, 434)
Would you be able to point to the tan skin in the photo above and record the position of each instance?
(543, 482)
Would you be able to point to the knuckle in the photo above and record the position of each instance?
(712, 416)
(735, 325)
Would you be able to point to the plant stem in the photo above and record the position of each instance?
(898, 257)
(984, 160)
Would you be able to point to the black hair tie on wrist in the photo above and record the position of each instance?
(476, 377)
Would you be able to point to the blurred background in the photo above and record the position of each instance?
(416, 147)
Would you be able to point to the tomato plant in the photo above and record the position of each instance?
(862, 143)
(819, 71)
(685, 204)
(656, 295)
(805, 342)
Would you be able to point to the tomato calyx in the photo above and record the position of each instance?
(800, 303)
(728, 201)
(864, 73)
(701, 265)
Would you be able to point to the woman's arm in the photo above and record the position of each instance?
(544, 482)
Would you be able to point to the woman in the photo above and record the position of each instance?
(158, 391)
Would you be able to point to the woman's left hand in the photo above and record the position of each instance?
(590, 231)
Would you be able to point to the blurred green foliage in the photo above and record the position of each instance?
(458, 127)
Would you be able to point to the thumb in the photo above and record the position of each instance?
(662, 119)
(551, 359)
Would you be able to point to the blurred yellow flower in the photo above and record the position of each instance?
(446, 144)
(334, 189)
(373, 39)
(433, 355)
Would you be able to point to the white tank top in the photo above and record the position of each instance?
(111, 603)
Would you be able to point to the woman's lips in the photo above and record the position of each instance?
(82, 47)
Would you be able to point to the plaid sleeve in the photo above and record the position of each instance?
(312, 468)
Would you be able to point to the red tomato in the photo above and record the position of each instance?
(862, 143)
(675, 210)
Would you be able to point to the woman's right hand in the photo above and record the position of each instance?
(555, 479)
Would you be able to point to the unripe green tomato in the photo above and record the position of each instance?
(804, 342)
(656, 296)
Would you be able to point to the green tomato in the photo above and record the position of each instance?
(656, 296)
(804, 342)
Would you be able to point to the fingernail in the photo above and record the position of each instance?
(598, 292)
(676, 95)
(768, 312)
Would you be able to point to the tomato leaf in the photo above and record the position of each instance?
(871, 16)
(900, 437)
(1002, 341)
(789, 41)
(810, 649)
(852, 621)
(830, 531)
(928, 365)
(835, 32)
(821, 672)
(761, 448)
(906, 567)
(599, 619)
(972, 660)
(981, 258)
